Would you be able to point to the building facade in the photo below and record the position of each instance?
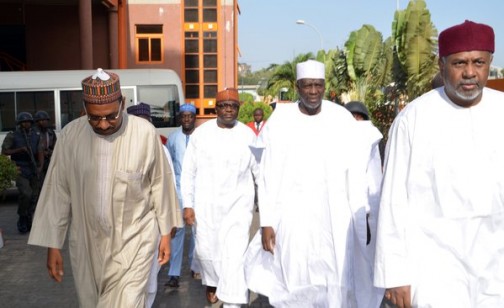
(195, 38)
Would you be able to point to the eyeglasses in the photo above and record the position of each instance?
(95, 120)
(233, 106)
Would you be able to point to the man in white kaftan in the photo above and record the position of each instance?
(371, 151)
(217, 187)
(441, 223)
(312, 205)
(110, 184)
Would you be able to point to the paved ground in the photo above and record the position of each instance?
(24, 281)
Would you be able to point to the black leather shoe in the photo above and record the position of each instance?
(173, 282)
(22, 224)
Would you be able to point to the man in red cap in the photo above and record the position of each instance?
(217, 188)
(441, 223)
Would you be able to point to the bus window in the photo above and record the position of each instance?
(129, 96)
(164, 101)
(7, 111)
(60, 94)
(33, 101)
(30, 101)
(70, 105)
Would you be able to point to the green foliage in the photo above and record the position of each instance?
(358, 70)
(384, 75)
(8, 172)
(246, 113)
(339, 79)
(246, 98)
(414, 35)
(254, 78)
(284, 76)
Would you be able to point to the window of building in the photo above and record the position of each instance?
(210, 15)
(149, 39)
(210, 63)
(189, 3)
(192, 91)
(191, 13)
(200, 54)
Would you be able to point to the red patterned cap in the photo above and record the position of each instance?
(228, 94)
(101, 88)
(466, 37)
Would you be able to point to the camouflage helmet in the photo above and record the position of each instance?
(41, 115)
(24, 117)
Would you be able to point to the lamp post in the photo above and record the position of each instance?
(240, 77)
(302, 22)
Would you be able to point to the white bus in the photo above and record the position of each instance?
(60, 94)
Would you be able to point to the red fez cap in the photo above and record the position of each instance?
(228, 94)
(466, 37)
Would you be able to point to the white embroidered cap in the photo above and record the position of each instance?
(310, 69)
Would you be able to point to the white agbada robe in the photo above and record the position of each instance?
(218, 182)
(116, 194)
(371, 152)
(441, 222)
(312, 191)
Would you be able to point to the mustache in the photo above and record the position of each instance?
(470, 81)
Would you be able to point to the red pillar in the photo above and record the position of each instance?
(86, 33)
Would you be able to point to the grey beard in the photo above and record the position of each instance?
(462, 95)
(309, 106)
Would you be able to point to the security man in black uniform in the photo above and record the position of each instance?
(47, 139)
(23, 146)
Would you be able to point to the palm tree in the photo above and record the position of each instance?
(409, 63)
(354, 71)
(414, 35)
(284, 76)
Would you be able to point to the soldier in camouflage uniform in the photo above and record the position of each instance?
(47, 138)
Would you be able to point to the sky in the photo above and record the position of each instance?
(268, 33)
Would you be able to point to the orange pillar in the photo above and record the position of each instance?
(122, 35)
(86, 33)
(113, 38)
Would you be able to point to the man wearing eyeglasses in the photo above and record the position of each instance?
(111, 185)
(217, 187)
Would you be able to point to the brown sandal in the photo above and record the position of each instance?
(211, 296)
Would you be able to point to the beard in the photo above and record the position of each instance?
(311, 106)
(466, 96)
